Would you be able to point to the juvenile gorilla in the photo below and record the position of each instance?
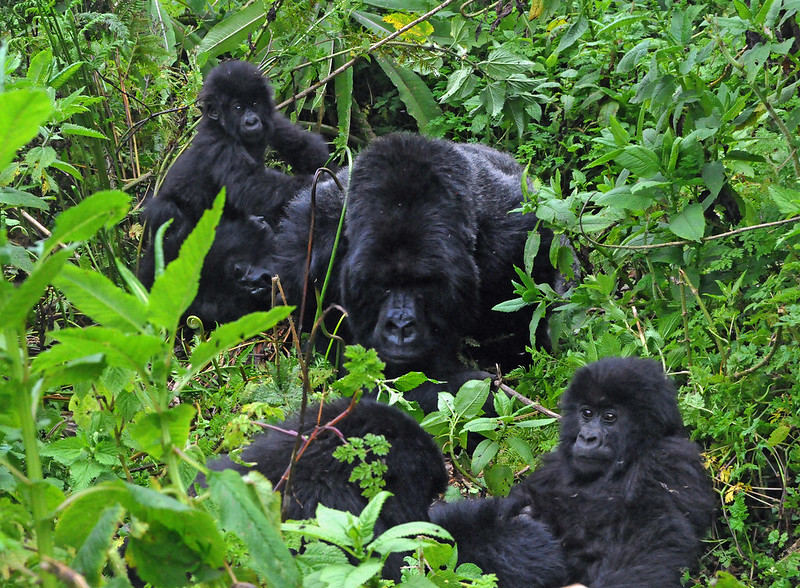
(239, 122)
(415, 472)
(625, 492)
(429, 247)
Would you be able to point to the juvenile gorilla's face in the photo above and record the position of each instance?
(239, 98)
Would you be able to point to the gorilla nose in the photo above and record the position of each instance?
(401, 329)
(251, 121)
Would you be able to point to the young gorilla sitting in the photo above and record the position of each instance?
(625, 492)
(415, 471)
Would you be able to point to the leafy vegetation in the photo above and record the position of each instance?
(661, 137)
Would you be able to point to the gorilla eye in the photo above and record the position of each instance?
(586, 412)
(609, 416)
(237, 106)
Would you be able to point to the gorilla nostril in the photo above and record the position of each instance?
(239, 271)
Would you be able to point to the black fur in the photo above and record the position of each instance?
(415, 473)
(625, 492)
(239, 122)
(427, 251)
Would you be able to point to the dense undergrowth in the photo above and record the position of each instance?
(662, 140)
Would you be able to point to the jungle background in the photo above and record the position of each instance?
(660, 136)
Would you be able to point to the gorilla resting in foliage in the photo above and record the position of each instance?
(239, 122)
(235, 279)
(625, 492)
(415, 471)
(429, 247)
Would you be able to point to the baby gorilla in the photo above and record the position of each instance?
(625, 492)
(415, 472)
(239, 122)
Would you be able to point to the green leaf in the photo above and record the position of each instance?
(414, 93)
(15, 308)
(92, 555)
(498, 478)
(471, 397)
(230, 33)
(343, 88)
(575, 32)
(786, 199)
(241, 512)
(621, 22)
(779, 435)
(639, 160)
(21, 114)
(510, 305)
(410, 381)
(369, 515)
(409, 530)
(483, 454)
(14, 197)
(131, 351)
(632, 57)
(174, 290)
(226, 336)
(689, 223)
(521, 448)
(535, 423)
(714, 177)
(502, 63)
(83, 220)
(73, 129)
(146, 432)
(97, 297)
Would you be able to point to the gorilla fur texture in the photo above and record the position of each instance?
(415, 472)
(429, 247)
(239, 122)
(625, 492)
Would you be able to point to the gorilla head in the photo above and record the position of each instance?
(237, 97)
(237, 276)
(409, 273)
(615, 408)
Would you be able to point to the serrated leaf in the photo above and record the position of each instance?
(786, 199)
(226, 336)
(146, 431)
(21, 114)
(575, 32)
(15, 308)
(97, 297)
(689, 223)
(131, 351)
(242, 513)
(175, 289)
(73, 129)
(82, 221)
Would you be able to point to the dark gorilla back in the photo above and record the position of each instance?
(415, 472)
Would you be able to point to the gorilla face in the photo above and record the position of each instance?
(238, 97)
(612, 409)
(409, 279)
(237, 276)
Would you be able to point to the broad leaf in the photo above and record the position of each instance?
(21, 114)
(689, 223)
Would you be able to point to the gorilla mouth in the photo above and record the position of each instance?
(400, 355)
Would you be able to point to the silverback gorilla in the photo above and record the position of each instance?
(239, 122)
(625, 492)
(415, 471)
(429, 245)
